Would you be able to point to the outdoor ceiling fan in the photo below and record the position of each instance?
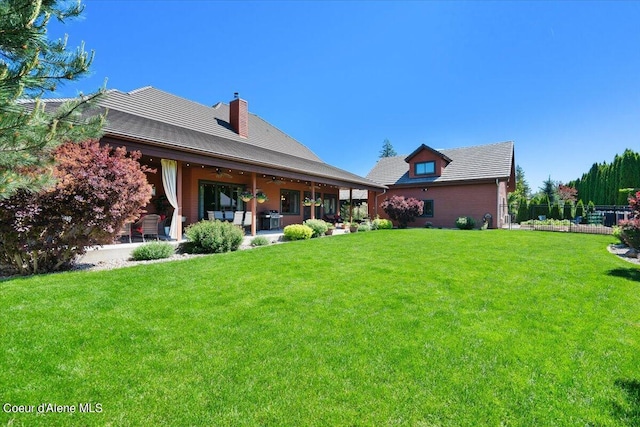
(219, 173)
(275, 181)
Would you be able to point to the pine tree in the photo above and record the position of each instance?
(387, 149)
(31, 65)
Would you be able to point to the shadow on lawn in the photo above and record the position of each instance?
(626, 273)
(629, 414)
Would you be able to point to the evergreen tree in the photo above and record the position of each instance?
(555, 212)
(568, 210)
(580, 209)
(522, 186)
(549, 189)
(31, 65)
(387, 149)
(523, 211)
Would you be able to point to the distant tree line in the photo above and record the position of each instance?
(610, 183)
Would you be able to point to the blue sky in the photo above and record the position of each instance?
(560, 79)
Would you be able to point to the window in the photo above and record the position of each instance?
(425, 168)
(290, 202)
(427, 211)
(217, 196)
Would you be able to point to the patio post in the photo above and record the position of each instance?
(254, 204)
(313, 199)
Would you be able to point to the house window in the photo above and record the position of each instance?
(427, 210)
(425, 168)
(290, 202)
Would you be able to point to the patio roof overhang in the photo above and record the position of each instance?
(155, 149)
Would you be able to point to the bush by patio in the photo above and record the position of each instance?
(209, 237)
(297, 232)
(318, 226)
(153, 250)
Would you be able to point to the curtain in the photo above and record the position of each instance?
(169, 179)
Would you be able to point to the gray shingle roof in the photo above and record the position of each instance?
(479, 162)
(151, 115)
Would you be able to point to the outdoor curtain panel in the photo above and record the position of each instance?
(169, 178)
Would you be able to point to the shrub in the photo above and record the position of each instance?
(259, 241)
(630, 233)
(208, 237)
(153, 250)
(465, 223)
(382, 224)
(297, 232)
(402, 210)
(364, 226)
(98, 189)
(318, 226)
(617, 233)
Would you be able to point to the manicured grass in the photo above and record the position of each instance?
(392, 327)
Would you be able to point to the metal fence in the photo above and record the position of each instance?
(599, 221)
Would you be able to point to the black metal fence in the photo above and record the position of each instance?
(599, 220)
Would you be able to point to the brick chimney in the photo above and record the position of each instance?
(239, 116)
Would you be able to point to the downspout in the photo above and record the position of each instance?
(498, 213)
(378, 195)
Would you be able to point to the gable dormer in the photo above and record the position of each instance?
(426, 162)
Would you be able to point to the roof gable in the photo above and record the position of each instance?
(480, 162)
(424, 147)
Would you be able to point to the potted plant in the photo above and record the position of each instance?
(353, 227)
(330, 229)
(261, 197)
(318, 201)
(246, 196)
(307, 201)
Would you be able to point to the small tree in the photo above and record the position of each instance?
(555, 212)
(580, 209)
(402, 210)
(568, 210)
(523, 211)
(97, 190)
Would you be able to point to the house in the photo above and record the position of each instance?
(469, 181)
(207, 156)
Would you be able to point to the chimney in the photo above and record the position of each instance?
(239, 116)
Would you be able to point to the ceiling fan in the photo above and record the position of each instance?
(219, 173)
(275, 181)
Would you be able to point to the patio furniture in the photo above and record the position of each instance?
(228, 215)
(125, 230)
(148, 226)
(243, 219)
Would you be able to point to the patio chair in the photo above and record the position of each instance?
(228, 216)
(243, 219)
(218, 215)
(125, 230)
(148, 226)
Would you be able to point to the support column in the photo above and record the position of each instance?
(313, 198)
(254, 205)
(350, 204)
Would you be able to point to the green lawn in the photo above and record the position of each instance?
(393, 327)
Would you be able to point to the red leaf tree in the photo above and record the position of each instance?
(98, 188)
(402, 210)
